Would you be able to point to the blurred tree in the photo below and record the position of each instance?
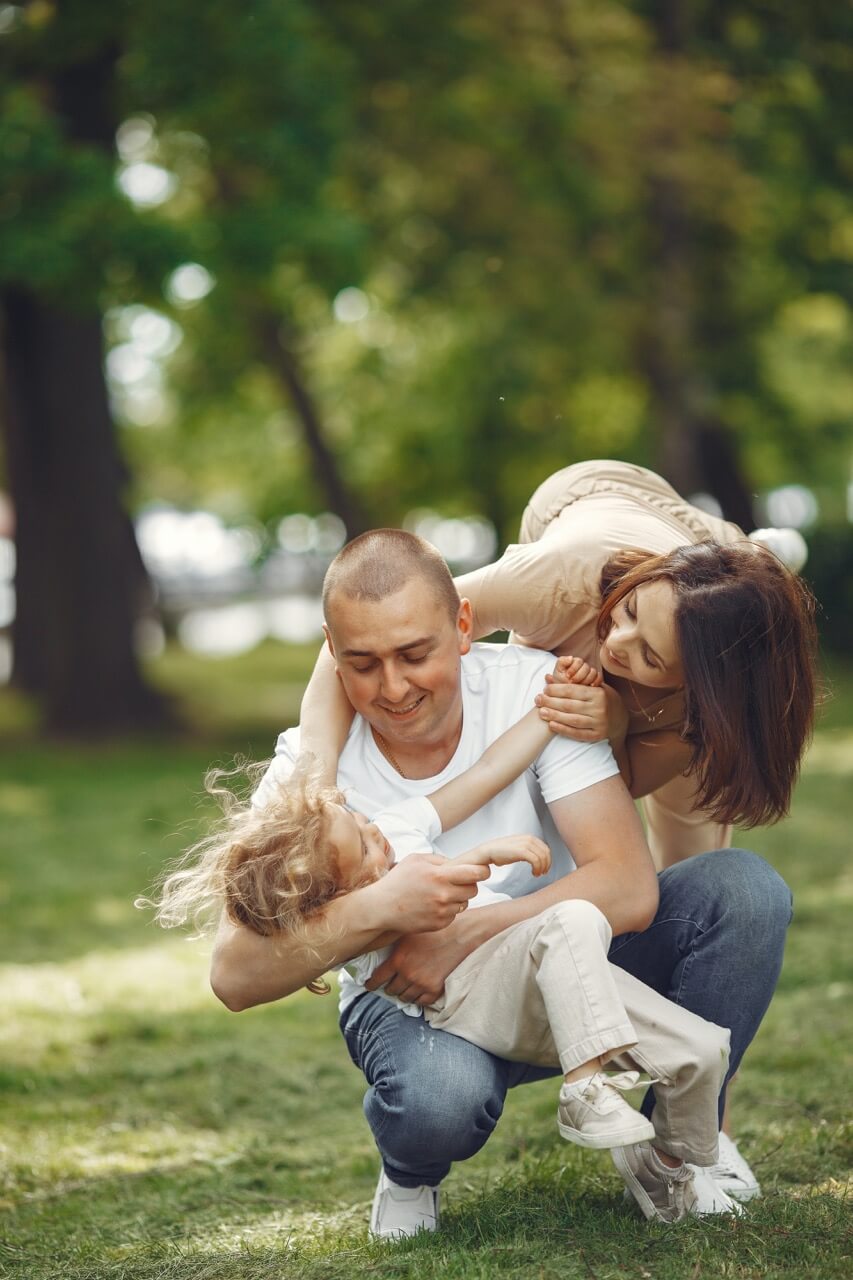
(79, 578)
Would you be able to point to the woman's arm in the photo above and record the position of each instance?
(325, 716)
(502, 762)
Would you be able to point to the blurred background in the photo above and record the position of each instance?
(273, 274)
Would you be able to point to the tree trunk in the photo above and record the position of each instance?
(280, 357)
(78, 574)
(695, 450)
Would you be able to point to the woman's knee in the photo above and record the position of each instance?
(735, 883)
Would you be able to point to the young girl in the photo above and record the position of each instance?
(541, 992)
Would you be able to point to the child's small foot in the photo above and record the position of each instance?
(593, 1113)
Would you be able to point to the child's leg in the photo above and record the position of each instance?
(687, 1058)
(541, 992)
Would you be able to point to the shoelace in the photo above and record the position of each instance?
(596, 1087)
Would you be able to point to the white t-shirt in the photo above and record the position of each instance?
(412, 826)
(499, 683)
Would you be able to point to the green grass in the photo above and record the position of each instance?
(146, 1132)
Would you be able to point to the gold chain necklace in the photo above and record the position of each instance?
(387, 752)
(649, 719)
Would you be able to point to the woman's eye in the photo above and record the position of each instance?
(629, 608)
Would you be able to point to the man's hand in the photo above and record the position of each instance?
(424, 893)
(419, 964)
(504, 850)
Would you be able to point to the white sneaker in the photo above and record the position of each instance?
(399, 1212)
(593, 1113)
(710, 1196)
(732, 1174)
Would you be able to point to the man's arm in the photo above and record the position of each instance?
(614, 871)
(507, 757)
(422, 894)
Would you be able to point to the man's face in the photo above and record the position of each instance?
(398, 660)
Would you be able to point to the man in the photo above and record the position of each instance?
(427, 704)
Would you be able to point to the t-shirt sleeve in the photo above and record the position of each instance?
(564, 766)
(280, 768)
(410, 826)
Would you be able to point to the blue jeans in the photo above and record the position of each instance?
(715, 947)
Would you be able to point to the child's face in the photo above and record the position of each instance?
(363, 852)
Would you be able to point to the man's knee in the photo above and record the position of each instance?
(437, 1110)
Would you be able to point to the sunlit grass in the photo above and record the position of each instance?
(146, 1132)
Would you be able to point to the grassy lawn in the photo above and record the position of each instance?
(146, 1132)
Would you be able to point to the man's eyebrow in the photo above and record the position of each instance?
(403, 648)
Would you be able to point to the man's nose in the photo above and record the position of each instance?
(395, 685)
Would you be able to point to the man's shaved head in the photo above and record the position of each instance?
(378, 564)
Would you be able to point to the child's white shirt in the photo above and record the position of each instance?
(410, 826)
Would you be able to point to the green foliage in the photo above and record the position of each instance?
(557, 214)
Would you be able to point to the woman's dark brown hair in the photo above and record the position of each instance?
(747, 642)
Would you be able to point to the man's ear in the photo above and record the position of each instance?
(465, 625)
(327, 633)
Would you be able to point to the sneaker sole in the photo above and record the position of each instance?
(644, 1132)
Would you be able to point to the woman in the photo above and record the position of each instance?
(707, 647)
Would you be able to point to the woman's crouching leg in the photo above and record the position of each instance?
(433, 1098)
(687, 1057)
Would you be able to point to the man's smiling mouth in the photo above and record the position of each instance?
(404, 711)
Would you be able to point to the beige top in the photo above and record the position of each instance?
(545, 589)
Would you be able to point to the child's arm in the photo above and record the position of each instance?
(506, 849)
(502, 762)
(324, 717)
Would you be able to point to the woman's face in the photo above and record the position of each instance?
(641, 644)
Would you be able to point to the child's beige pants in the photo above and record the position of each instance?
(544, 992)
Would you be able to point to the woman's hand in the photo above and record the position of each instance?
(584, 712)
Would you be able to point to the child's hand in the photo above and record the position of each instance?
(571, 670)
(506, 849)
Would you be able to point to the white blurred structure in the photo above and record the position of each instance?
(788, 544)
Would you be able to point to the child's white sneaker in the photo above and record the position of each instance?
(593, 1113)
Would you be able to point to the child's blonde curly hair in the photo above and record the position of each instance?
(271, 866)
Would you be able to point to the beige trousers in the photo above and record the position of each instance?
(544, 992)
